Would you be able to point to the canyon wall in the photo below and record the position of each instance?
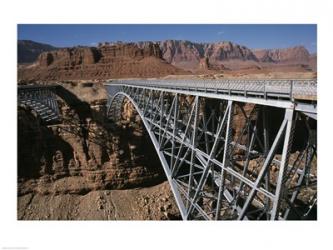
(105, 62)
(85, 150)
(188, 55)
(159, 59)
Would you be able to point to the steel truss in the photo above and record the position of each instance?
(223, 158)
(41, 99)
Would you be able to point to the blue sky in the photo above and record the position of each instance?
(250, 35)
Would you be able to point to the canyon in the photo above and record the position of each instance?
(86, 167)
(159, 59)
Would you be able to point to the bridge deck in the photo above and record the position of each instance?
(301, 94)
(269, 89)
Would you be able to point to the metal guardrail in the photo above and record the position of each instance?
(289, 89)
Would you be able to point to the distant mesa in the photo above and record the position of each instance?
(104, 62)
(153, 59)
(294, 54)
(187, 55)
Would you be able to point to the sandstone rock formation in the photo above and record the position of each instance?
(293, 54)
(69, 57)
(85, 146)
(105, 62)
(183, 54)
(230, 56)
(287, 57)
(227, 50)
(189, 55)
(159, 59)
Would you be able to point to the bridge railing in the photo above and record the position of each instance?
(265, 88)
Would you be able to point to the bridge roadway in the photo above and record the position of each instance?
(226, 146)
(298, 93)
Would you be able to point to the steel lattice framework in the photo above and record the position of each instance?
(42, 99)
(225, 152)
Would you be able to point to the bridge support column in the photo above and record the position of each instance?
(194, 145)
(288, 140)
(226, 157)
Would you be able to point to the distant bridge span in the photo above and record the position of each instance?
(42, 99)
(231, 149)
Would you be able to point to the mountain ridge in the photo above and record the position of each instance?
(162, 58)
(222, 50)
(28, 50)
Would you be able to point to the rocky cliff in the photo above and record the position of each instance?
(74, 169)
(84, 151)
(104, 62)
(294, 54)
(189, 55)
(159, 59)
(226, 55)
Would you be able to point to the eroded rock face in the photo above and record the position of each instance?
(159, 59)
(69, 57)
(183, 54)
(104, 62)
(84, 152)
(293, 54)
(186, 54)
(227, 50)
(133, 50)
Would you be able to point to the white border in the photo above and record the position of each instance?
(162, 235)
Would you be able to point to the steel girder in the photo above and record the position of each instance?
(41, 99)
(216, 172)
(264, 88)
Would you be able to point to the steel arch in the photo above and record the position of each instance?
(157, 148)
(41, 99)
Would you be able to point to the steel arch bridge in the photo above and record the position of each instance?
(231, 149)
(216, 172)
(42, 99)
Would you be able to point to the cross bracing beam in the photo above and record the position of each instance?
(214, 173)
